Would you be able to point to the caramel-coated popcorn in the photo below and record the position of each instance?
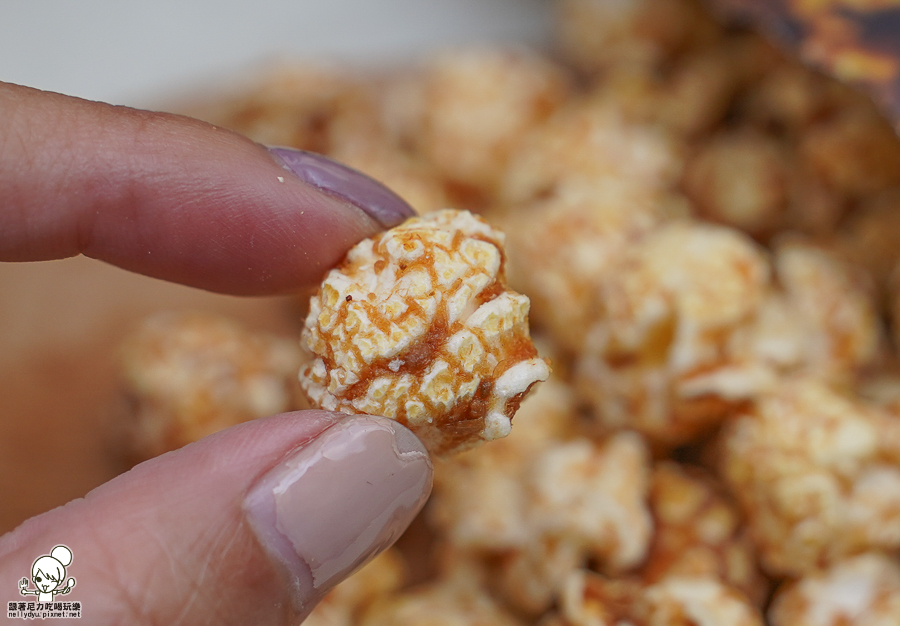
(591, 600)
(706, 231)
(561, 249)
(481, 497)
(740, 179)
(588, 142)
(700, 601)
(860, 591)
(530, 508)
(475, 107)
(598, 35)
(822, 319)
(818, 475)
(663, 354)
(596, 495)
(192, 374)
(699, 533)
(417, 325)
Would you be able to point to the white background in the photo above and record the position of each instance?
(128, 52)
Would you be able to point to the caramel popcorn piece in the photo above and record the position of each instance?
(482, 506)
(823, 319)
(664, 355)
(476, 105)
(817, 473)
(740, 179)
(417, 325)
(596, 35)
(592, 600)
(533, 507)
(595, 494)
(561, 249)
(699, 533)
(192, 374)
(860, 591)
(529, 580)
(590, 142)
(700, 601)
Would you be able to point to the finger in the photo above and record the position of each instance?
(249, 526)
(174, 198)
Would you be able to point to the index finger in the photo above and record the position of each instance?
(174, 198)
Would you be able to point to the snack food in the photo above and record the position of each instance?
(417, 325)
(863, 589)
(818, 475)
(192, 374)
(706, 229)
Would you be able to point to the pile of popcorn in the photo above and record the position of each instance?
(706, 230)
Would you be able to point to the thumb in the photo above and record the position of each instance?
(252, 525)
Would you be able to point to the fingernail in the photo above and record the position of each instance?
(339, 501)
(376, 200)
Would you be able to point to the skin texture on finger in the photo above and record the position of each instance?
(170, 541)
(162, 195)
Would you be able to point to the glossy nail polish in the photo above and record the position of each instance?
(376, 200)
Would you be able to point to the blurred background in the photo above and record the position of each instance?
(134, 53)
(60, 321)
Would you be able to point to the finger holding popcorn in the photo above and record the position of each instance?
(417, 325)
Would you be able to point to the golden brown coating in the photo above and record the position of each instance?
(530, 508)
(699, 533)
(740, 179)
(822, 319)
(595, 494)
(591, 143)
(561, 249)
(859, 591)
(591, 600)
(596, 35)
(663, 357)
(606, 173)
(817, 473)
(192, 374)
(417, 325)
(471, 108)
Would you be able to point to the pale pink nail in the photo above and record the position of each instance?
(337, 502)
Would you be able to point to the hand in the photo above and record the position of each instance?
(254, 524)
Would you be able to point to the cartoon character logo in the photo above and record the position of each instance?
(48, 573)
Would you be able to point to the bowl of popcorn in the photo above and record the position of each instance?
(645, 320)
